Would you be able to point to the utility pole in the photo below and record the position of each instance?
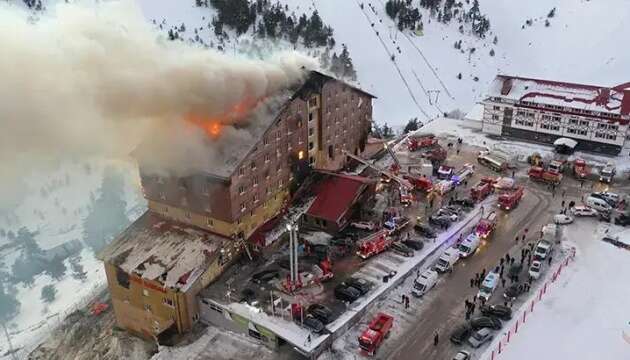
(11, 350)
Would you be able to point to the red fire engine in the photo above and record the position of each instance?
(486, 226)
(510, 200)
(374, 244)
(421, 183)
(537, 173)
(415, 143)
(580, 170)
(482, 189)
(377, 331)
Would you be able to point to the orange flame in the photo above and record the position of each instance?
(214, 125)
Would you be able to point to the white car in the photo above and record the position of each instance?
(583, 211)
(462, 355)
(562, 219)
(365, 225)
(535, 269)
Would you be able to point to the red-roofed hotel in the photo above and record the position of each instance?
(542, 111)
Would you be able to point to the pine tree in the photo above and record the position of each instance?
(48, 293)
(412, 125)
(346, 64)
(9, 306)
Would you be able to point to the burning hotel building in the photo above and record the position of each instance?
(196, 224)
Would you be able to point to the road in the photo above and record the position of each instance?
(445, 309)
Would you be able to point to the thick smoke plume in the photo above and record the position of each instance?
(96, 80)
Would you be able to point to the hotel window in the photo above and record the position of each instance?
(299, 123)
(255, 181)
(265, 141)
(613, 127)
(495, 117)
(555, 127)
(584, 122)
(496, 107)
(582, 132)
(611, 137)
(204, 188)
(243, 207)
(255, 198)
(160, 180)
(162, 195)
(145, 292)
(312, 102)
(600, 135)
(544, 126)
(168, 302)
(267, 158)
(241, 190)
(310, 116)
(311, 131)
(253, 165)
(187, 214)
(241, 171)
(602, 126)
(571, 131)
(573, 121)
(147, 307)
(311, 145)
(209, 222)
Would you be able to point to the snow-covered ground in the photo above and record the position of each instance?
(585, 315)
(55, 207)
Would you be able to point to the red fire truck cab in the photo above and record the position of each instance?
(416, 143)
(486, 226)
(377, 331)
(482, 189)
(537, 173)
(510, 200)
(374, 244)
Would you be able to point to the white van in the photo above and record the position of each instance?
(469, 245)
(543, 249)
(424, 283)
(447, 260)
(488, 285)
(550, 232)
(597, 204)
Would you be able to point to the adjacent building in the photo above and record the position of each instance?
(197, 225)
(543, 111)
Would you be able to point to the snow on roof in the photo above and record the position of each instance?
(476, 113)
(579, 96)
(153, 248)
(566, 142)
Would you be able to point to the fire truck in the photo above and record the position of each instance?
(548, 175)
(486, 226)
(421, 183)
(374, 244)
(580, 170)
(406, 197)
(509, 200)
(415, 143)
(445, 172)
(493, 162)
(377, 331)
(482, 189)
(467, 171)
(438, 154)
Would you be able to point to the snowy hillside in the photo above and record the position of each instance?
(557, 51)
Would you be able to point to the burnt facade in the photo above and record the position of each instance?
(324, 118)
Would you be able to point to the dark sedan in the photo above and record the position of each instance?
(313, 324)
(415, 244)
(460, 334)
(440, 220)
(500, 311)
(320, 312)
(425, 231)
(481, 322)
(347, 293)
(360, 284)
(265, 276)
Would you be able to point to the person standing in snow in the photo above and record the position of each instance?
(436, 339)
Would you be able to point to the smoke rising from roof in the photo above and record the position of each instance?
(96, 80)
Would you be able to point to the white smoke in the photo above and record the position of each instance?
(93, 80)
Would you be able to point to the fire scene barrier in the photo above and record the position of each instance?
(500, 346)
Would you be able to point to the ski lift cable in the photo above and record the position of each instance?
(402, 77)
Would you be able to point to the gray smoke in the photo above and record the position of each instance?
(85, 81)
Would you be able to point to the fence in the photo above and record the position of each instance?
(529, 308)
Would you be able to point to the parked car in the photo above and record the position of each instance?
(604, 216)
(543, 249)
(480, 337)
(500, 311)
(462, 355)
(460, 334)
(448, 213)
(402, 249)
(535, 269)
(611, 198)
(347, 293)
(513, 291)
(364, 225)
(320, 312)
(265, 276)
(481, 322)
(360, 284)
(314, 325)
(423, 283)
(583, 211)
(467, 203)
(562, 219)
(440, 220)
(415, 244)
(424, 230)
